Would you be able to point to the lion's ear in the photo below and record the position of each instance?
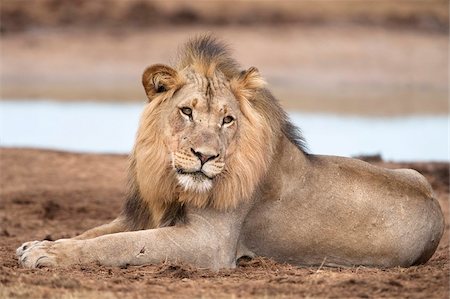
(245, 85)
(159, 78)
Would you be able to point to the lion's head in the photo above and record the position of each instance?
(208, 133)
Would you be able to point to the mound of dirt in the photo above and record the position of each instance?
(51, 195)
(116, 14)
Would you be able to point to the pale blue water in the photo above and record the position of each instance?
(110, 128)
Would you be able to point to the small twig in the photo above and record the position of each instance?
(321, 265)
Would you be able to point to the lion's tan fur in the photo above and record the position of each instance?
(216, 190)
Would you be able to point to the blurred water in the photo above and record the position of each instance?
(110, 128)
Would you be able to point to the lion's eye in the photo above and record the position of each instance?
(228, 119)
(186, 111)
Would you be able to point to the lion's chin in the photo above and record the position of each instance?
(195, 183)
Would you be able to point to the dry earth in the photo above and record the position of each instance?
(350, 56)
(23, 15)
(49, 195)
(334, 69)
(372, 71)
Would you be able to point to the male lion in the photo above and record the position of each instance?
(218, 172)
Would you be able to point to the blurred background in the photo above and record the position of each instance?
(360, 77)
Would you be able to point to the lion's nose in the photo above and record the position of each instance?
(204, 156)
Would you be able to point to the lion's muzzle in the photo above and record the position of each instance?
(196, 168)
(204, 157)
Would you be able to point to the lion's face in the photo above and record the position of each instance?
(202, 122)
(201, 140)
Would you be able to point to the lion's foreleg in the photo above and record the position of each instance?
(209, 240)
(198, 247)
(116, 226)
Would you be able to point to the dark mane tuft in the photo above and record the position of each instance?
(269, 106)
(206, 52)
(294, 134)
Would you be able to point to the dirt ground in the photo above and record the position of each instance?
(383, 58)
(18, 16)
(50, 195)
(327, 69)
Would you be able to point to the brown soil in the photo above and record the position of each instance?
(50, 195)
(343, 69)
(29, 15)
(351, 57)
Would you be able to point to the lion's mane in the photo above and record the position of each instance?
(154, 198)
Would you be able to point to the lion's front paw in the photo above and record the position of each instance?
(38, 254)
(25, 246)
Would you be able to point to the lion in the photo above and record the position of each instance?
(219, 172)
